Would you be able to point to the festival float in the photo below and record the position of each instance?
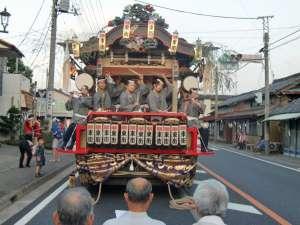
(114, 144)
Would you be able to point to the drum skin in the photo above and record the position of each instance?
(190, 82)
(84, 79)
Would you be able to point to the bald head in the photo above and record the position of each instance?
(74, 206)
(138, 190)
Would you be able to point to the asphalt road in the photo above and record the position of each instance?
(274, 187)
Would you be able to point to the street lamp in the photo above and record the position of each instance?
(4, 20)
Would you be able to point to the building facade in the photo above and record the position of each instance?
(245, 112)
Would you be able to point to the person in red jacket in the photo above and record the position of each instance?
(28, 127)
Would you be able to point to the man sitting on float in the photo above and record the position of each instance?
(81, 104)
(157, 98)
(101, 98)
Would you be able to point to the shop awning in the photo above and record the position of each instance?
(285, 116)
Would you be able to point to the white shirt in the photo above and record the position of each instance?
(130, 218)
(210, 220)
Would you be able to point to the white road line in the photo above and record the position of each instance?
(32, 213)
(243, 208)
(262, 160)
(200, 171)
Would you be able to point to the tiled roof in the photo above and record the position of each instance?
(277, 86)
(292, 107)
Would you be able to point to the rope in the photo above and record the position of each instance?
(99, 194)
(185, 203)
(70, 139)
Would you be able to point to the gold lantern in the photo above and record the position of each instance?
(76, 49)
(126, 28)
(102, 42)
(174, 43)
(151, 28)
(198, 50)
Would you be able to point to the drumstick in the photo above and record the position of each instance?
(133, 71)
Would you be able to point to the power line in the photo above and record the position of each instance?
(240, 30)
(88, 22)
(102, 12)
(284, 37)
(285, 43)
(43, 42)
(94, 14)
(199, 14)
(37, 15)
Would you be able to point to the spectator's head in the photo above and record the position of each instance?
(84, 90)
(131, 86)
(138, 195)
(74, 206)
(210, 198)
(101, 83)
(41, 141)
(158, 85)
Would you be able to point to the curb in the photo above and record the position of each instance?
(12, 197)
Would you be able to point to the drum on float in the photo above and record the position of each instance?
(84, 79)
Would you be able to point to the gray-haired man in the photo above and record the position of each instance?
(210, 203)
(138, 197)
(74, 206)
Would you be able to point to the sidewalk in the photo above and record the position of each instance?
(272, 157)
(16, 182)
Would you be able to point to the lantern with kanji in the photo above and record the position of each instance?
(76, 49)
(102, 42)
(174, 43)
(151, 28)
(126, 28)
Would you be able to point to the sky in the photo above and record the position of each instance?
(244, 36)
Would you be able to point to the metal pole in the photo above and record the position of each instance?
(216, 76)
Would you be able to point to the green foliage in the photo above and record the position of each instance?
(10, 124)
(23, 69)
(139, 13)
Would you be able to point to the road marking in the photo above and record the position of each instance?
(200, 171)
(259, 159)
(32, 213)
(248, 197)
(243, 208)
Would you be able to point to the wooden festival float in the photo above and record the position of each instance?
(115, 144)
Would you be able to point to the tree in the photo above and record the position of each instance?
(10, 124)
(22, 68)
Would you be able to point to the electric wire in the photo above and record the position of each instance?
(198, 14)
(86, 18)
(102, 12)
(42, 44)
(37, 15)
(284, 37)
(91, 5)
(285, 43)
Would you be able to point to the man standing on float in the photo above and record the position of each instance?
(101, 99)
(130, 99)
(157, 98)
(80, 104)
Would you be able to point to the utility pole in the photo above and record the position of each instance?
(216, 76)
(266, 38)
(50, 84)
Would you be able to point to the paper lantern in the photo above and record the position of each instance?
(126, 28)
(102, 41)
(174, 43)
(76, 49)
(151, 28)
